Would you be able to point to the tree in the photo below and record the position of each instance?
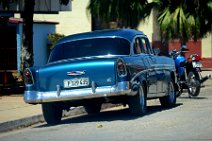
(184, 19)
(126, 13)
(27, 38)
(27, 47)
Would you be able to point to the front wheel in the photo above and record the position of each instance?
(194, 84)
(170, 99)
(52, 112)
(138, 103)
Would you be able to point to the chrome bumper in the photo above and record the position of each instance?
(34, 97)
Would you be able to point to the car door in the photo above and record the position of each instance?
(157, 68)
(147, 60)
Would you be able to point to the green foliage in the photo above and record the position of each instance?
(53, 38)
(178, 19)
(127, 13)
(184, 19)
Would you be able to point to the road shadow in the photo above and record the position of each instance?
(187, 97)
(110, 115)
(158, 108)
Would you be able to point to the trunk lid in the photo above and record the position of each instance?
(77, 74)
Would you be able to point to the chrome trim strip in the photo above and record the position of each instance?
(68, 95)
(147, 70)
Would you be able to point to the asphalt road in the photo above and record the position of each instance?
(190, 120)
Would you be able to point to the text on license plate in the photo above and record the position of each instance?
(76, 82)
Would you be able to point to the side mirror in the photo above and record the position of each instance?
(156, 51)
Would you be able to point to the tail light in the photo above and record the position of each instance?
(121, 68)
(196, 58)
(28, 78)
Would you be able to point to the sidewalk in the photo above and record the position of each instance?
(15, 113)
(13, 107)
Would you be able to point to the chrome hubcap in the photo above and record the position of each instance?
(171, 92)
(193, 83)
(142, 99)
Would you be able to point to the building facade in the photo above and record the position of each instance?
(75, 20)
(79, 20)
(11, 33)
(10, 49)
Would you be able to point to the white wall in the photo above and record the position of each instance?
(71, 22)
(207, 46)
(150, 27)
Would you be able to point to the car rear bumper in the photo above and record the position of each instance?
(33, 97)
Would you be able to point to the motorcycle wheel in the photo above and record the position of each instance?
(179, 92)
(194, 84)
(179, 89)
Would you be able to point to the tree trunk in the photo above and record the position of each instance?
(27, 46)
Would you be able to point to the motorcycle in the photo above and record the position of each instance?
(188, 72)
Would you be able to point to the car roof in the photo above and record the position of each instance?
(127, 34)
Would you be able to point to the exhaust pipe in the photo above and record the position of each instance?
(205, 78)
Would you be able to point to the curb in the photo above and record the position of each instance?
(24, 122)
(206, 69)
(28, 121)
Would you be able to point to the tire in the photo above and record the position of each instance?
(170, 99)
(93, 108)
(194, 84)
(52, 112)
(138, 103)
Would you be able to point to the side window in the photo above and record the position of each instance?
(137, 46)
(146, 45)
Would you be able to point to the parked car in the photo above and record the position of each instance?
(108, 66)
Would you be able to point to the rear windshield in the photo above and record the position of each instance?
(90, 47)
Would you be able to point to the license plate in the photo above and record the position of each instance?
(197, 64)
(76, 82)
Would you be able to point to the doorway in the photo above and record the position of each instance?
(8, 48)
(8, 55)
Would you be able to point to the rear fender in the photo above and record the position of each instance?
(136, 82)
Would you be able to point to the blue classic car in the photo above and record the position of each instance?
(108, 66)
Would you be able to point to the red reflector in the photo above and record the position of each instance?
(197, 58)
(121, 68)
(28, 78)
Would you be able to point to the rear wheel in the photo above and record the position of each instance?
(193, 84)
(170, 99)
(93, 108)
(52, 112)
(138, 103)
